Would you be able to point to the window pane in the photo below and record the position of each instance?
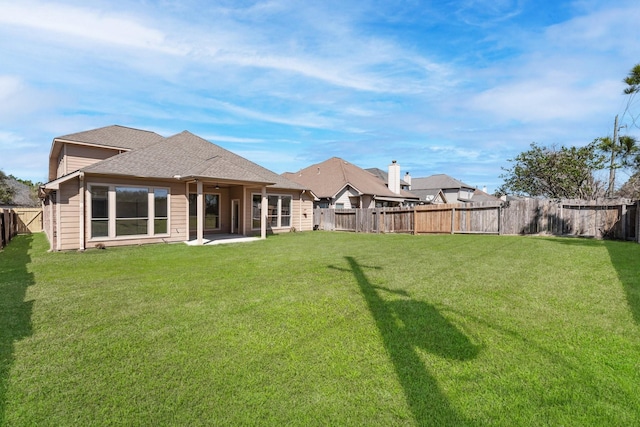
(285, 212)
(160, 226)
(211, 211)
(131, 227)
(131, 202)
(99, 228)
(99, 202)
(257, 206)
(160, 197)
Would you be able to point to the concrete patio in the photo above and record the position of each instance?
(219, 239)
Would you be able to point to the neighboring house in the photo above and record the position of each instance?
(405, 184)
(122, 186)
(442, 188)
(339, 184)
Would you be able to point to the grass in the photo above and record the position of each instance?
(323, 329)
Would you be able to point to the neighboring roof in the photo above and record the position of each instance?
(481, 196)
(431, 195)
(328, 178)
(439, 181)
(187, 156)
(115, 136)
(384, 176)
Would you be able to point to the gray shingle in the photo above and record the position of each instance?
(187, 155)
(115, 136)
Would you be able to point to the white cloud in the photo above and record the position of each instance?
(85, 23)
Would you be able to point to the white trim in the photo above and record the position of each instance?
(58, 245)
(264, 209)
(81, 211)
(111, 215)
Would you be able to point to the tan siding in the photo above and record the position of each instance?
(81, 156)
(69, 215)
(302, 213)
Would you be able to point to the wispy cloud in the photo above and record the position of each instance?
(457, 86)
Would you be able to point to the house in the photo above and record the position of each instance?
(122, 186)
(442, 188)
(339, 184)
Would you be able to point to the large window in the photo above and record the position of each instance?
(128, 211)
(132, 211)
(278, 210)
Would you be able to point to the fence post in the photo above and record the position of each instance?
(638, 221)
(453, 214)
(623, 220)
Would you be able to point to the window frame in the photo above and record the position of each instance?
(277, 215)
(112, 212)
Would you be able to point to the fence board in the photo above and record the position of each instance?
(599, 219)
(29, 220)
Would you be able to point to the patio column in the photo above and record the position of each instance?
(263, 217)
(200, 209)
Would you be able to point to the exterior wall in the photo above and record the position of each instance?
(302, 213)
(49, 219)
(68, 216)
(74, 157)
(368, 202)
(343, 197)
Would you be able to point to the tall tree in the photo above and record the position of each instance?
(558, 173)
(633, 88)
(6, 192)
(621, 153)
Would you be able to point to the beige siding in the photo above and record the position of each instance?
(68, 211)
(302, 213)
(74, 157)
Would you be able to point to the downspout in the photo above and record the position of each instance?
(82, 212)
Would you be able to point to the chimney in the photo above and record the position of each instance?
(484, 188)
(407, 179)
(394, 177)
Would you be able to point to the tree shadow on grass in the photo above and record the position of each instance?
(625, 259)
(406, 325)
(15, 312)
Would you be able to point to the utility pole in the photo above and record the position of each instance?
(612, 166)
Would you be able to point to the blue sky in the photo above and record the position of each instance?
(455, 87)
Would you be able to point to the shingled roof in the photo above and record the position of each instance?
(115, 136)
(440, 181)
(186, 155)
(328, 178)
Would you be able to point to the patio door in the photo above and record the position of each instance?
(235, 216)
(211, 214)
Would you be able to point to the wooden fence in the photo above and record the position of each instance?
(597, 219)
(8, 226)
(18, 221)
(29, 220)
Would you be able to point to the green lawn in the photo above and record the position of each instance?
(319, 328)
